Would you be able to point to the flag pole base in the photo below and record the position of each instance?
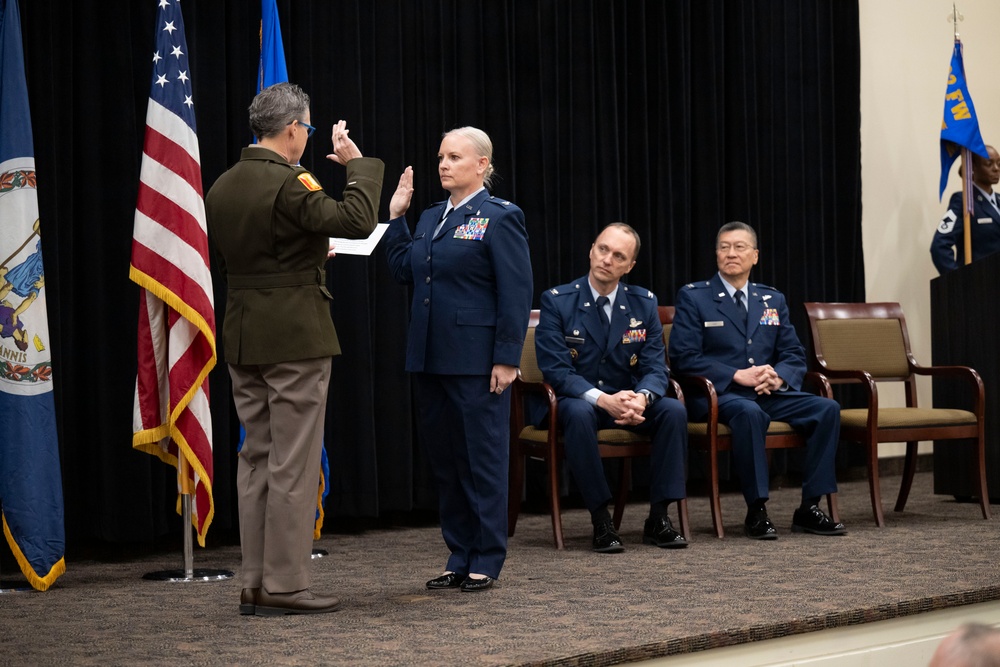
(319, 553)
(189, 573)
(182, 576)
(7, 587)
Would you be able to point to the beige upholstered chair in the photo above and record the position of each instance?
(545, 443)
(713, 437)
(867, 343)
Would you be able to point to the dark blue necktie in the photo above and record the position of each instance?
(739, 300)
(601, 302)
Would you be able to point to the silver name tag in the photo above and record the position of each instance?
(719, 323)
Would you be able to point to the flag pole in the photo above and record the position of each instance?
(185, 485)
(966, 203)
(966, 165)
(189, 573)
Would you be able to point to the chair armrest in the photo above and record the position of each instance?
(867, 381)
(817, 384)
(522, 387)
(971, 377)
(700, 385)
(674, 389)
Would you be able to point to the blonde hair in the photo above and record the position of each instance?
(482, 145)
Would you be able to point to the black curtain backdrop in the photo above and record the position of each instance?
(672, 116)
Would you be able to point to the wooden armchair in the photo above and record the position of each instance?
(714, 437)
(868, 343)
(545, 443)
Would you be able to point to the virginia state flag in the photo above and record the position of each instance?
(30, 480)
(960, 126)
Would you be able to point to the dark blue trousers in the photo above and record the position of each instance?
(666, 425)
(817, 418)
(464, 431)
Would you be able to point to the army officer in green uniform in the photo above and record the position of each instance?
(270, 222)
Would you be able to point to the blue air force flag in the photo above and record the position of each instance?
(272, 68)
(30, 480)
(960, 126)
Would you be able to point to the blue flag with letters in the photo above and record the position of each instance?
(960, 126)
(30, 479)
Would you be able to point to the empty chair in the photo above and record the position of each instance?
(867, 343)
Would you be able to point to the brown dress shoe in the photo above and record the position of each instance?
(248, 601)
(298, 602)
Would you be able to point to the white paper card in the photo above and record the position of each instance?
(359, 246)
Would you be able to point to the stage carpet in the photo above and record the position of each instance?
(572, 607)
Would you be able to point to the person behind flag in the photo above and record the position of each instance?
(948, 246)
(269, 222)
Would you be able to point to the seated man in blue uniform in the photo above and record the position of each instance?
(600, 345)
(738, 335)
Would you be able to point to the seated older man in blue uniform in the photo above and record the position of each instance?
(600, 345)
(738, 335)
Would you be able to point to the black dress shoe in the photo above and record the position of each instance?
(450, 580)
(661, 533)
(248, 601)
(298, 602)
(606, 540)
(815, 521)
(759, 527)
(471, 585)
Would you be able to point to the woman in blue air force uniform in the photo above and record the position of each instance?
(469, 266)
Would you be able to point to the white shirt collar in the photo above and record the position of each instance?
(611, 297)
(732, 290)
(449, 208)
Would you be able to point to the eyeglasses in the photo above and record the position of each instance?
(738, 247)
(309, 128)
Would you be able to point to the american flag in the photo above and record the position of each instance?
(176, 342)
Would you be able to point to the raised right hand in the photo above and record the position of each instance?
(400, 201)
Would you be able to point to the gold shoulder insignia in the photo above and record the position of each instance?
(309, 181)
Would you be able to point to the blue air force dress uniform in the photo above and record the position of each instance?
(471, 299)
(713, 337)
(575, 355)
(948, 245)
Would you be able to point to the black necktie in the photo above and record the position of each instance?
(739, 300)
(440, 225)
(601, 302)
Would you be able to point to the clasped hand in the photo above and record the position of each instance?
(764, 379)
(626, 407)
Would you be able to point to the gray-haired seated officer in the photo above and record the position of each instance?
(738, 335)
(599, 344)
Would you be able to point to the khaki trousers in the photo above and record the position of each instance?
(282, 407)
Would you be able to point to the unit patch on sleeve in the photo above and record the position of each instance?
(309, 181)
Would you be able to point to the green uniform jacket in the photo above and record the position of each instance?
(270, 222)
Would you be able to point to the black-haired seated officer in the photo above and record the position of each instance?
(738, 335)
(948, 246)
(600, 345)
